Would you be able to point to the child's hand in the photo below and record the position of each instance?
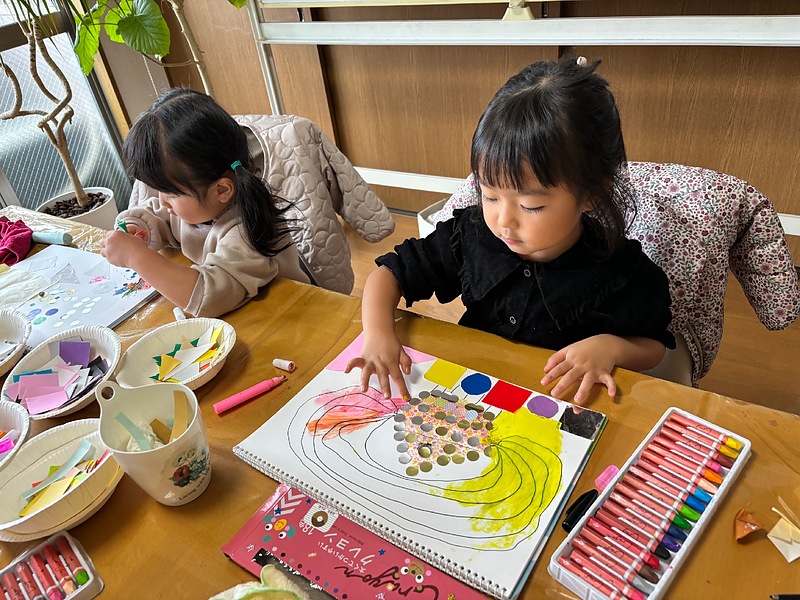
(590, 361)
(119, 247)
(384, 356)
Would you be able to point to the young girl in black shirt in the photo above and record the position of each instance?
(544, 258)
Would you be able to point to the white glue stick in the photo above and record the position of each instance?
(283, 365)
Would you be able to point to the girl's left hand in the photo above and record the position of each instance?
(119, 248)
(589, 361)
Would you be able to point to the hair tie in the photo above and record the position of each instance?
(236, 163)
(581, 61)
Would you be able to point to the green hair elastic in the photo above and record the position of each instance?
(236, 163)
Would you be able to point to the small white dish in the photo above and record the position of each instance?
(104, 342)
(137, 365)
(54, 447)
(14, 416)
(14, 328)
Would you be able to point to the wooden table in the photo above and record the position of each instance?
(145, 550)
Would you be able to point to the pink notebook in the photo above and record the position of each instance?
(342, 558)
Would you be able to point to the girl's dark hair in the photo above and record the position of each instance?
(560, 121)
(185, 142)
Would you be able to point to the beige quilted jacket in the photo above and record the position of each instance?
(302, 165)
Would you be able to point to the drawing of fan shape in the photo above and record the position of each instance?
(437, 429)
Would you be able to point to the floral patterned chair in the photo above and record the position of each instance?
(697, 224)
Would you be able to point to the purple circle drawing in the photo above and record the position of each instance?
(476, 384)
(543, 406)
(51, 312)
(34, 312)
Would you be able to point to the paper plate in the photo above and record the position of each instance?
(14, 416)
(137, 364)
(103, 341)
(54, 447)
(14, 327)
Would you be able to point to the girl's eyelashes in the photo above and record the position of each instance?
(532, 210)
(486, 198)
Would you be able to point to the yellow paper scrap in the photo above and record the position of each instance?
(47, 496)
(445, 373)
(162, 431)
(168, 365)
(181, 420)
(208, 355)
(216, 334)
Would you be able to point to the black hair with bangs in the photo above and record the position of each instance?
(559, 120)
(185, 142)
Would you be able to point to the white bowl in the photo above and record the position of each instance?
(103, 341)
(14, 416)
(14, 327)
(54, 447)
(137, 365)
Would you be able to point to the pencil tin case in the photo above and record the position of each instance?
(612, 569)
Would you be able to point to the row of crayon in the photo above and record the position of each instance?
(626, 546)
(38, 573)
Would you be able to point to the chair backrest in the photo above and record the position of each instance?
(695, 223)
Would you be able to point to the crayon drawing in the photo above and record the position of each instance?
(471, 471)
(86, 290)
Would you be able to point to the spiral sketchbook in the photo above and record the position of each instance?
(470, 474)
(81, 288)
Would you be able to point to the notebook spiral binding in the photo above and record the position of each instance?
(440, 562)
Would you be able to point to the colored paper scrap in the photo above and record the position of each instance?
(353, 350)
(506, 396)
(138, 437)
(162, 431)
(785, 535)
(75, 353)
(84, 449)
(744, 524)
(181, 421)
(445, 373)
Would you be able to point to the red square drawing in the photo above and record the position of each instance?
(506, 396)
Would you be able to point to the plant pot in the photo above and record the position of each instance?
(103, 216)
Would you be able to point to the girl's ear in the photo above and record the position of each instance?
(224, 189)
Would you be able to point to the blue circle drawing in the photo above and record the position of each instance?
(51, 312)
(34, 312)
(476, 384)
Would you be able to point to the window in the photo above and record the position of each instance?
(27, 158)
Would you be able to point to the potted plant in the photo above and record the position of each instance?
(136, 23)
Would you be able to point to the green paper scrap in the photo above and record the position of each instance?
(83, 450)
(142, 442)
(157, 359)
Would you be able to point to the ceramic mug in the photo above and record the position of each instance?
(173, 474)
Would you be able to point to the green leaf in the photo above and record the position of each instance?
(144, 28)
(112, 20)
(238, 3)
(87, 41)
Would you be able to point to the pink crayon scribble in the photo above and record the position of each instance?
(351, 409)
(98, 279)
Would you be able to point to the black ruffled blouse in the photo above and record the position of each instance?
(547, 304)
